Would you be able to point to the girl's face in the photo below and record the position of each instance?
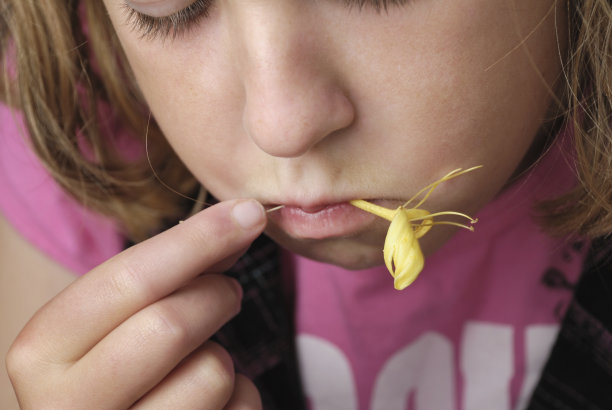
(310, 104)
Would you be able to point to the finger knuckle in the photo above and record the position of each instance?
(22, 360)
(17, 360)
(129, 279)
(162, 323)
(29, 372)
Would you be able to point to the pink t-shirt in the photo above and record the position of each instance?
(472, 332)
(45, 215)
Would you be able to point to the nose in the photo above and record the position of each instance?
(294, 98)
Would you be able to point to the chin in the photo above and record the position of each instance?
(344, 252)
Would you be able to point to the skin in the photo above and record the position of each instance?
(142, 338)
(269, 100)
(288, 102)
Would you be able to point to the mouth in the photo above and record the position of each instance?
(321, 221)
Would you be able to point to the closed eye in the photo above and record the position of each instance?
(178, 23)
(174, 25)
(377, 5)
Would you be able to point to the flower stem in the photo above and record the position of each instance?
(377, 210)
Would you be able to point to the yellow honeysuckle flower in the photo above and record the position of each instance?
(402, 252)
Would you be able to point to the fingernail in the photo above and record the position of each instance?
(248, 214)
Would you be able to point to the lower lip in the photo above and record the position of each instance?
(335, 220)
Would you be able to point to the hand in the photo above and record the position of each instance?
(133, 332)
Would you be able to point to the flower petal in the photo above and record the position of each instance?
(402, 253)
(409, 263)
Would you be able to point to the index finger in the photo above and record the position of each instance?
(92, 306)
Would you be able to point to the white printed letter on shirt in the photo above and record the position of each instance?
(326, 375)
(487, 364)
(433, 382)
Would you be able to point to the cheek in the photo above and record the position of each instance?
(474, 94)
(191, 93)
(482, 90)
(172, 73)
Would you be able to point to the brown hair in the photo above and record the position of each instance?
(587, 210)
(59, 87)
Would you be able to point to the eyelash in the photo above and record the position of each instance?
(183, 20)
(173, 25)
